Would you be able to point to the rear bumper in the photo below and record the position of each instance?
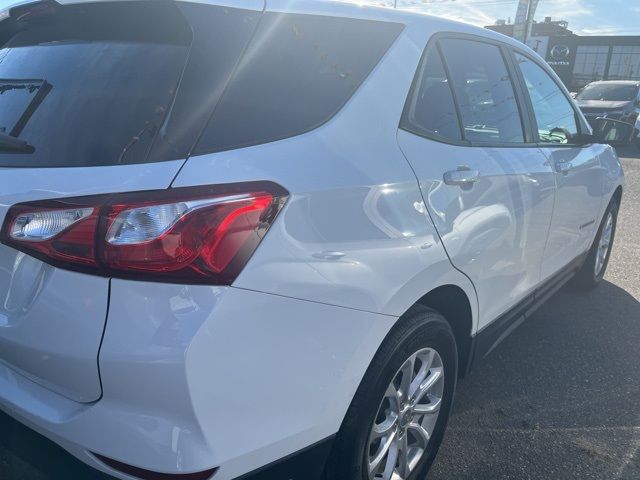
(202, 377)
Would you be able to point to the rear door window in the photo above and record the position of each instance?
(484, 92)
(430, 110)
(220, 35)
(297, 72)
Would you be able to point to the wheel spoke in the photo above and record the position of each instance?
(381, 454)
(418, 379)
(421, 433)
(427, 385)
(403, 457)
(394, 397)
(606, 235)
(385, 428)
(429, 408)
(406, 377)
(390, 465)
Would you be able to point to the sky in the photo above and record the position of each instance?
(585, 17)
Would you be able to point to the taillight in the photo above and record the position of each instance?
(185, 235)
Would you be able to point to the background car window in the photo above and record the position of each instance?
(609, 92)
(554, 114)
(484, 92)
(296, 73)
(431, 109)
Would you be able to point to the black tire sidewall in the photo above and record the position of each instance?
(425, 328)
(613, 210)
(586, 277)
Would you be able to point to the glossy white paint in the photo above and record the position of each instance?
(187, 371)
(345, 199)
(579, 203)
(495, 231)
(51, 320)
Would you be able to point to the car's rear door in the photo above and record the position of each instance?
(488, 188)
(95, 98)
(577, 168)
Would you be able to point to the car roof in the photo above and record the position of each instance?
(359, 9)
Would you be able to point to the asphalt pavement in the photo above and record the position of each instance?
(559, 399)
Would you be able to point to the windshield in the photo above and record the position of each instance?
(609, 93)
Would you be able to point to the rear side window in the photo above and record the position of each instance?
(297, 72)
(431, 110)
(92, 84)
(220, 35)
(484, 92)
(554, 114)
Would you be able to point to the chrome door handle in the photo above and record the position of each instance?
(461, 177)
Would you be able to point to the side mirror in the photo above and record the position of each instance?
(614, 132)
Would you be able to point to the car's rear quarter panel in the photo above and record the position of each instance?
(353, 194)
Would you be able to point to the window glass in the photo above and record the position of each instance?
(220, 35)
(484, 92)
(431, 109)
(90, 85)
(554, 113)
(296, 73)
(625, 63)
(590, 64)
(610, 92)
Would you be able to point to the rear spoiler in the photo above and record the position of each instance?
(29, 10)
(14, 18)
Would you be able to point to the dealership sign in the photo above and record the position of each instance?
(559, 55)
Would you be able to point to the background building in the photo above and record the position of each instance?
(541, 32)
(579, 60)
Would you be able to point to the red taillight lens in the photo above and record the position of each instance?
(187, 235)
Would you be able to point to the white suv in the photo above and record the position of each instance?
(264, 240)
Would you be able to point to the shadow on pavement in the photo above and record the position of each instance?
(560, 398)
(33, 457)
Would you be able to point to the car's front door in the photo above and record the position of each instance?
(488, 189)
(578, 170)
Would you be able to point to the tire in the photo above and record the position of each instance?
(421, 332)
(592, 272)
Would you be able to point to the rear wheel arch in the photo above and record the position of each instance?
(454, 305)
(617, 195)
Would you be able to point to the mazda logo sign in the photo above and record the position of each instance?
(560, 52)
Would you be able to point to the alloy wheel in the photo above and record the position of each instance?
(406, 418)
(604, 244)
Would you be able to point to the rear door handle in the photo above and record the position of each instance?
(462, 177)
(564, 167)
